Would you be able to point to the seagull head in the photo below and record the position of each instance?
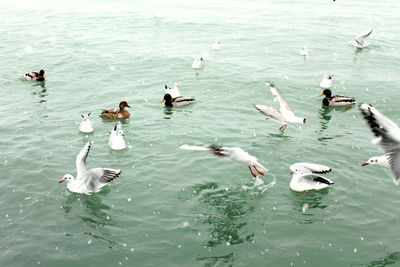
(120, 133)
(374, 161)
(67, 178)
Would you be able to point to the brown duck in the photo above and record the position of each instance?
(113, 114)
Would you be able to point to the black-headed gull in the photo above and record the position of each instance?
(116, 140)
(234, 153)
(305, 176)
(284, 114)
(388, 136)
(88, 181)
(359, 42)
(197, 63)
(326, 81)
(86, 125)
(174, 91)
(382, 161)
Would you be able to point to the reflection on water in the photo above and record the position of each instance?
(42, 92)
(217, 260)
(307, 203)
(169, 111)
(386, 260)
(324, 117)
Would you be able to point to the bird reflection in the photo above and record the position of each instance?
(388, 259)
(307, 203)
(225, 260)
(325, 117)
(42, 93)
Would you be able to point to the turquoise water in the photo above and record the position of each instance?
(186, 208)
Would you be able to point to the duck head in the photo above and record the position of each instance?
(123, 104)
(167, 100)
(68, 178)
(327, 93)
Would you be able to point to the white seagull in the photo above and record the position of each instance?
(284, 114)
(382, 161)
(174, 91)
(88, 181)
(306, 177)
(304, 52)
(388, 136)
(234, 153)
(86, 125)
(359, 42)
(197, 63)
(326, 81)
(216, 45)
(116, 140)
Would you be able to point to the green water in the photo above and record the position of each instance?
(186, 208)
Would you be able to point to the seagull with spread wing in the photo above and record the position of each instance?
(306, 177)
(359, 42)
(88, 181)
(284, 114)
(388, 136)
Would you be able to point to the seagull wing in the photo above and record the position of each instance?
(81, 161)
(270, 112)
(388, 134)
(284, 107)
(312, 167)
(194, 147)
(360, 39)
(317, 178)
(98, 177)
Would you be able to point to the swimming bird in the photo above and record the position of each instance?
(326, 81)
(116, 140)
(36, 76)
(233, 153)
(174, 91)
(120, 113)
(382, 161)
(387, 136)
(336, 100)
(284, 114)
(86, 125)
(88, 181)
(216, 45)
(177, 101)
(305, 176)
(197, 63)
(304, 52)
(359, 42)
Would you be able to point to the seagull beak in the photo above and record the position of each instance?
(217, 153)
(365, 164)
(321, 94)
(162, 101)
(61, 181)
(123, 134)
(291, 172)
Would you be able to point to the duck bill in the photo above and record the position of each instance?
(365, 164)
(128, 106)
(61, 181)
(162, 101)
(321, 94)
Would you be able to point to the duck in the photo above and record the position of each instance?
(36, 76)
(382, 161)
(305, 177)
(326, 81)
(179, 101)
(197, 63)
(86, 125)
(336, 100)
(216, 45)
(87, 181)
(174, 91)
(113, 114)
(116, 140)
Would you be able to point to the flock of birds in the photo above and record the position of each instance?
(305, 176)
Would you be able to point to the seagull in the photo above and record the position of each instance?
(116, 140)
(304, 52)
(197, 63)
(174, 91)
(86, 125)
(284, 114)
(306, 177)
(382, 161)
(359, 41)
(326, 81)
(88, 181)
(388, 136)
(233, 153)
(216, 45)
